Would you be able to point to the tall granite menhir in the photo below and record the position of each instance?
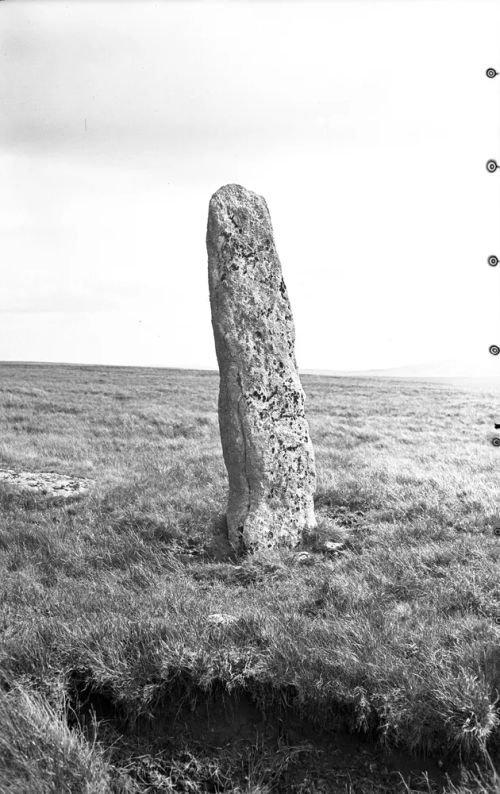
(265, 436)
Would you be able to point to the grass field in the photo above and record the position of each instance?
(332, 676)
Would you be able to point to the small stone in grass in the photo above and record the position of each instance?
(304, 558)
(333, 547)
(221, 619)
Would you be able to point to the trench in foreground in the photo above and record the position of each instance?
(216, 741)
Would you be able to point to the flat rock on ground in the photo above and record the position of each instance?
(46, 483)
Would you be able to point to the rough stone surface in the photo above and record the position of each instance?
(264, 431)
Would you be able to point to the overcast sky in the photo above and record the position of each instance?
(366, 126)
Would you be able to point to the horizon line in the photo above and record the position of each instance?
(388, 372)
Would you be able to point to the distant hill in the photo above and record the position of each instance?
(431, 369)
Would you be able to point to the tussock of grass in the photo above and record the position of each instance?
(39, 753)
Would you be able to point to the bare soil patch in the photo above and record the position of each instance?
(194, 740)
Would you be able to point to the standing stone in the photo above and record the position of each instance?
(264, 432)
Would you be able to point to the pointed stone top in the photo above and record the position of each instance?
(241, 210)
(233, 190)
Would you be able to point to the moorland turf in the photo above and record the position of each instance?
(108, 596)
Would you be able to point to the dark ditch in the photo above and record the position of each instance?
(199, 741)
